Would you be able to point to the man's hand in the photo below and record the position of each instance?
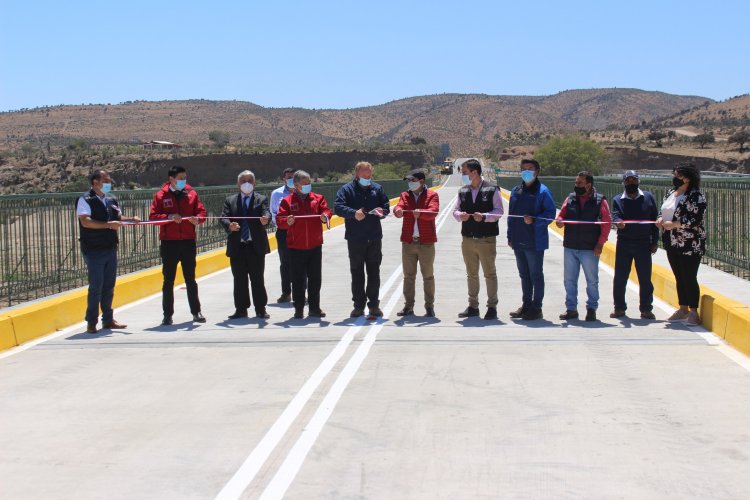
(290, 220)
(398, 212)
(264, 220)
(654, 248)
(194, 220)
(528, 219)
(620, 224)
(176, 217)
(659, 223)
(598, 250)
(477, 216)
(464, 216)
(135, 219)
(559, 223)
(416, 214)
(234, 226)
(324, 217)
(359, 214)
(114, 225)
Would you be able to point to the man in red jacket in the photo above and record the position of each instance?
(178, 202)
(300, 214)
(419, 207)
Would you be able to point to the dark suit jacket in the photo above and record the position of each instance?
(258, 208)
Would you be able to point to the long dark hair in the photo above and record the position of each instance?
(690, 172)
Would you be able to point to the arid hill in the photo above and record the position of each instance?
(468, 122)
(715, 116)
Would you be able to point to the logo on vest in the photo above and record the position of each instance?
(168, 203)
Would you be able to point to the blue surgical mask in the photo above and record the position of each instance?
(306, 188)
(106, 187)
(364, 182)
(181, 183)
(290, 183)
(413, 186)
(527, 176)
(465, 180)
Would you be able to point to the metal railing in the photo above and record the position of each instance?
(39, 250)
(727, 217)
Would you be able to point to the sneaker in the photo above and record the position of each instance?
(518, 313)
(285, 297)
(532, 314)
(491, 313)
(678, 315)
(590, 314)
(356, 312)
(693, 318)
(569, 314)
(375, 312)
(469, 312)
(198, 318)
(406, 311)
(617, 313)
(648, 315)
(429, 312)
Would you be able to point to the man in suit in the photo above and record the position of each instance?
(247, 245)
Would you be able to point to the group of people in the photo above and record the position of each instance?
(299, 215)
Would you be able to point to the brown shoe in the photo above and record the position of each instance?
(113, 324)
(617, 313)
(91, 328)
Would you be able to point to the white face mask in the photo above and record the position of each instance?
(246, 188)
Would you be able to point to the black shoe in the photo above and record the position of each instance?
(429, 312)
(647, 315)
(491, 313)
(285, 297)
(569, 315)
(317, 314)
(299, 314)
(469, 312)
(532, 314)
(375, 312)
(167, 320)
(590, 315)
(262, 315)
(357, 312)
(518, 313)
(406, 311)
(198, 317)
(239, 313)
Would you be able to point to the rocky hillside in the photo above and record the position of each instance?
(468, 123)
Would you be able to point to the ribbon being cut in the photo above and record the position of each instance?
(171, 221)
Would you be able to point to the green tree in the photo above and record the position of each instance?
(656, 136)
(219, 137)
(395, 170)
(740, 138)
(704, 138)
(78, 145)
(569, 155)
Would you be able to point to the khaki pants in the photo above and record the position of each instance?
(484, 251)
(411, 254)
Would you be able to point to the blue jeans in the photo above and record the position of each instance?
(531, 269)
(102, 271)
(574, 260)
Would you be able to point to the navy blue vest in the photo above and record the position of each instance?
(99, 239)
(582, 236)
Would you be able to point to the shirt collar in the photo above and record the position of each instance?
(625, 194)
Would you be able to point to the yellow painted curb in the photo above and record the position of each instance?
(723, 316)
(44, 317)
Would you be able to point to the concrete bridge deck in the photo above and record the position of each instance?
(399, 408)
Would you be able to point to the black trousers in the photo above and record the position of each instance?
(306, 268)
(284, 267)
(365, 256)
(627, 252)
(182, 252)
(685, 270)
(249, 263)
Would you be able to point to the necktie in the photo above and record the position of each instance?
(245, 236)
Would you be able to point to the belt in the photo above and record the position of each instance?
(478, 237)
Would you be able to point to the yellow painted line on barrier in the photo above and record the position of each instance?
(27, 323)
(722, 315)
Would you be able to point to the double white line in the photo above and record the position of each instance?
(296, 456)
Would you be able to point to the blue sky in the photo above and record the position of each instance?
(336, 54)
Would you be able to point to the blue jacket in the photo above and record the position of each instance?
(350, 198)
(536, 201)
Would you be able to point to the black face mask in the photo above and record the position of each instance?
(579, 190)
(677, 182)
(631, 188)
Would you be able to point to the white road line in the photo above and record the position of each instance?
(297, 454)
(710, 338)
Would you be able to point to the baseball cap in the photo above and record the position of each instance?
(630, 173)
(417, 173)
